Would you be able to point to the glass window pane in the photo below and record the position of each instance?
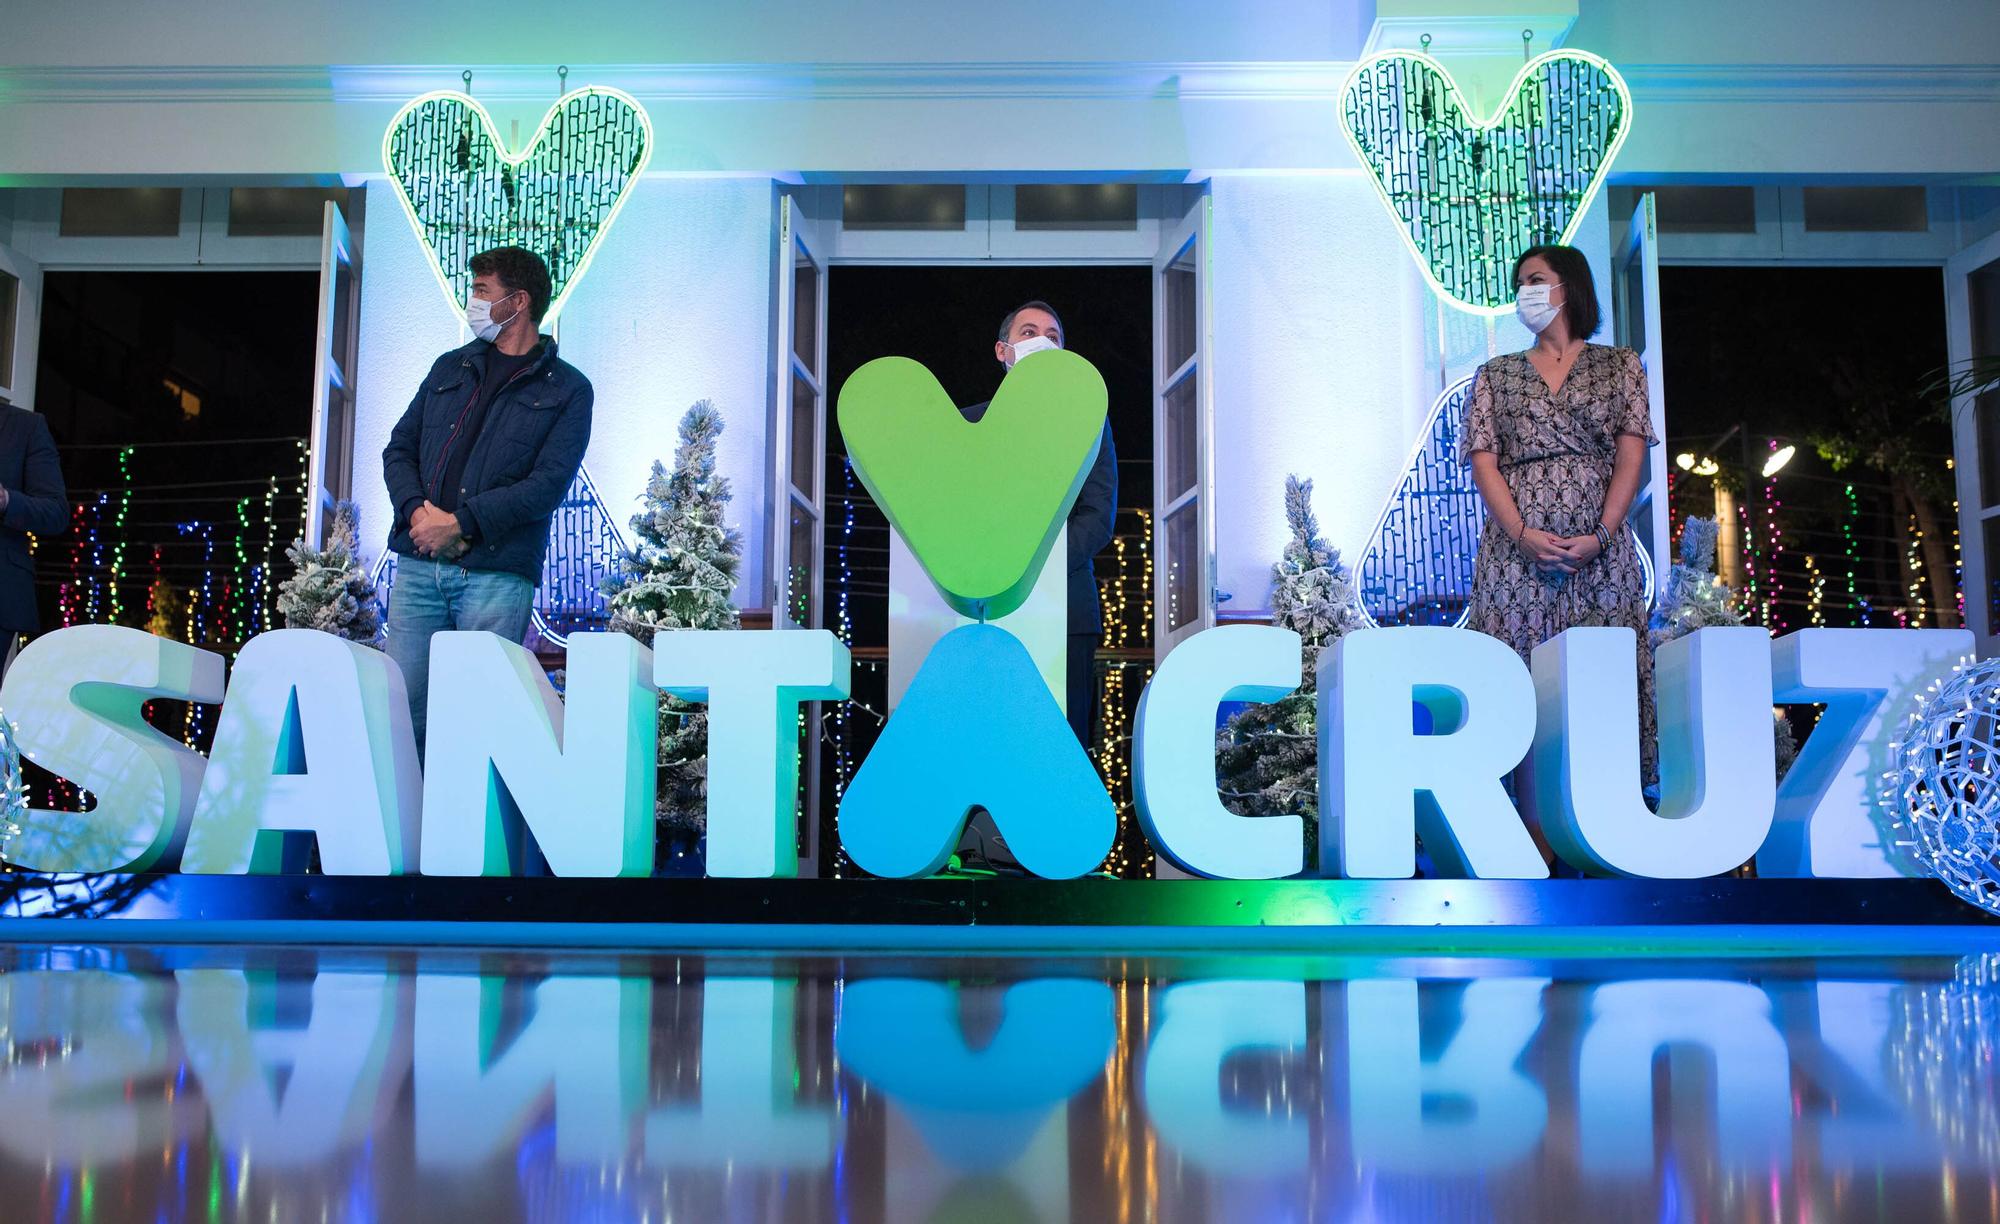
(903, 206)
(1180, 288)
(1076, 206)
(805, 310)
(1705, 210)
(1180, 437)
(10, 299)
(1182, 556)
(1992, 533)
(343, 298)
(281, 212)
(798, 594)
(1632, 327)
(121, 212)
(1983, 289)
(1867, 209)
(805, 434)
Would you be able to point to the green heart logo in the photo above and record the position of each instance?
(465, 194)
(980, 504)
(1470, 196)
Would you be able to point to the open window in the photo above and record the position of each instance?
(1972, 321)
(1184, 565)
(1636, 325)
(20, 325)
(330, 444)
(798, 425)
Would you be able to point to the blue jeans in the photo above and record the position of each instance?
(429, 596)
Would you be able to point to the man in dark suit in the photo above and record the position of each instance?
(1027, 329)
(32, 499)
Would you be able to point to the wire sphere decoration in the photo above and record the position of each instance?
(13, 791)
(1944, 791)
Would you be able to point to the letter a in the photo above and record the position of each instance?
(978, 728)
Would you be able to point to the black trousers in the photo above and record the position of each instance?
(1080, 688)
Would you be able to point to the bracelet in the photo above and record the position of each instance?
(1522, 530)
(1603, 538)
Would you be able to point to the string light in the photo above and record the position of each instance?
(1913, 563)
(1863, 613)
(1815, 592)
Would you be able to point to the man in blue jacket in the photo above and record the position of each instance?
(1030, 328)
(477, 467)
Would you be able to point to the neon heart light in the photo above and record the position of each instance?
(979, 504)
(1470, 195)
(466, 194)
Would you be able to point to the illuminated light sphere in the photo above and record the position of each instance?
(1707, 467)
(1939, 1056)
(1684, 461)
(1943, 791)
(1778, 459)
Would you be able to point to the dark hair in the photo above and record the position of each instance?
(1579, 291)
(1007, 324)
(518, 270)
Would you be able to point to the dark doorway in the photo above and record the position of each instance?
(180, 403)
(1860, 526)
(947, 318)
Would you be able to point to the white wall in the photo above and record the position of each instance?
(672, 309)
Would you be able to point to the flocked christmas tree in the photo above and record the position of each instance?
(679, 576)
(1267, 755)
(1694, 598)
(329, 588)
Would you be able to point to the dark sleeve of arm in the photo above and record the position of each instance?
(499, 510)
(1096, 511)
(41, 504)
(399, 460)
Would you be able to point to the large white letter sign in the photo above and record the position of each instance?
(1381, 783)
(501, 744)
(315, 737)
(75, 698)
(753, 684)
(977, 728)
(1830, 820)
(1718, 772)
(1173, 754)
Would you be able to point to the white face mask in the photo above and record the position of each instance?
(479, 317)
(1033, 344)
(1531, 304)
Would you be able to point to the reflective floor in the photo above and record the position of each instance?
(290, 1085)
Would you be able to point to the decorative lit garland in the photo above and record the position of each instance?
(1469, 195)
(558, 197)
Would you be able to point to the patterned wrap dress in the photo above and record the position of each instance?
(1555, 451)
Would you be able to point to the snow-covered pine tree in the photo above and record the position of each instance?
(1267, 755)
(679, 575)
(329, 588)
(1694, 598)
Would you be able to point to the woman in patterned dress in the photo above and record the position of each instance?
(1557, 440)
